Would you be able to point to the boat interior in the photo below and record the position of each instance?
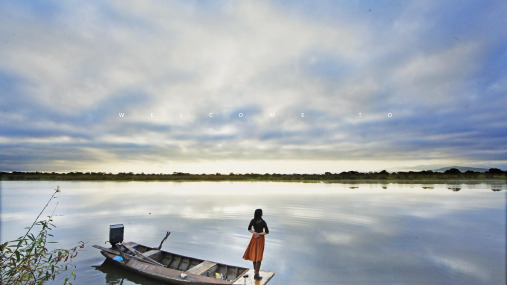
(192, 265)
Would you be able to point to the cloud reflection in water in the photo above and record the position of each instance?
(324, 233)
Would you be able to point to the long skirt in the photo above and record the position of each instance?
(255, 249)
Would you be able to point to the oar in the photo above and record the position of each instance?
(107, 250)
(139, 256)
(144, 257)
(166, 236)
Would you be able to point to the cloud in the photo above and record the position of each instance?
(426, 82)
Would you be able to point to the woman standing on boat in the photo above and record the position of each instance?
(255, 248)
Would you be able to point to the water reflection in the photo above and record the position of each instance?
(320, 233)
(497, 187)
(454, 187)
(115, 275)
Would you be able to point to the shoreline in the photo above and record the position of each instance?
(424, 177)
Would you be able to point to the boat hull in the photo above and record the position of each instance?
(162, 273)
(177, 269)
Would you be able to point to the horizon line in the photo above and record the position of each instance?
(254, 173)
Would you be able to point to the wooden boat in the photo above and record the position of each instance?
(177, 269)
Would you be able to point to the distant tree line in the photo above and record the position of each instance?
(453, 173)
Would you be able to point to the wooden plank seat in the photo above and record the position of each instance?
(150, 253)
(201, 267)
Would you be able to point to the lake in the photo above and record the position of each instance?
(319, 233)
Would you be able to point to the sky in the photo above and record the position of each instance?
(252, 86)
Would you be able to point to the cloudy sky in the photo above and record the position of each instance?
(252, 86)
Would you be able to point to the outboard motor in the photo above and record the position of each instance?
(115, 234)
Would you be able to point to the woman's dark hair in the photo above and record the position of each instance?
(258, 214)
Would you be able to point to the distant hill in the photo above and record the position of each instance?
(461, 168)
(437, 168)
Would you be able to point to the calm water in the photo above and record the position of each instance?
(320, 233)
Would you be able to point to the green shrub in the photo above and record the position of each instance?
(28, 260)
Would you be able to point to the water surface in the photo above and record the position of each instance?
(320, 233)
